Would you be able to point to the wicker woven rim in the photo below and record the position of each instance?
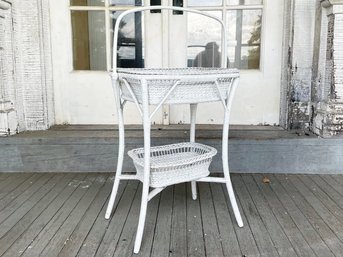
(201, 157)
(178, 71)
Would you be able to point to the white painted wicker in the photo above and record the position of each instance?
(192, 85)
(174, 163)
(160, 166)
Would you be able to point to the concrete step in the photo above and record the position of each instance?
(83, 148)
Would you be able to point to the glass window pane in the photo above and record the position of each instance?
(251, 26)
(126, 2)
(204, 40)
(244, 29)
(250, 57)
(244, 2)
(205, 2)
(232, 41)
(87, 2)
(130, 40)
(89, 50)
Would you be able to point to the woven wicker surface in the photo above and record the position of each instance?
(194, 85)
(178, 71)
(174, 154)
(175, 163)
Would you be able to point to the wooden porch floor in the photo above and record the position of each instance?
(45, 214)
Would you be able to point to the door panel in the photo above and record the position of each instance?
(257, 99)
(83, 93)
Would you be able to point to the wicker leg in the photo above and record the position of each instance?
(226, 170)
(142, 216)
(146, 178)
(193, 108)
(120, 153)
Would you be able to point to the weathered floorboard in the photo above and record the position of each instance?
(45, 235)
(245, 237)
(195, 247)
(63, 215)
(24, 240)
(8, 197)
(259, 231)
(160, 246)
(26, 206)
(319, 207)
(225, 223)
(287, 214)
(79, 234)
(277, 235)
(178, 240)
(10, 186)
(62, 236)
(97, 231)
(26, 221)
(213, 244)
(114, 230)
(307, 228)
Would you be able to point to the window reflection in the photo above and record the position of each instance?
(125, 2)
(244, 2)
(244, 30)
(130, 40)
(209, 57)
(244, 39)
(102, 2)
(87, 2)
(205, 2)
(89, 50)
(204, 37)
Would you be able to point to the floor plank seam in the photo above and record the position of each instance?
(80, 183)
(20, 184)
(96, 218)
(262, 220)
(273, 213)
(244, 214)
(83, 216)
(323, 203)
(10, 215)
(202, 222)
(230, 214)
(215, 213)
(154, 232)
(124, 223)
(298, 207)
(42, 228)
(291, 217)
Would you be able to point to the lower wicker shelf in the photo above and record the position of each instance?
(174, 163)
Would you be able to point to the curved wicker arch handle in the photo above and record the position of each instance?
(160, 7)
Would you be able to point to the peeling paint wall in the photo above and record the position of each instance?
(8, 115)
(33, 86)
(327, 106)
(315, 67)
(300, 63)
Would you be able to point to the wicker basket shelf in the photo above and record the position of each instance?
(174, 163)
(194, 85)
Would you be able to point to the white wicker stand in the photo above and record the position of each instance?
(158, 167)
